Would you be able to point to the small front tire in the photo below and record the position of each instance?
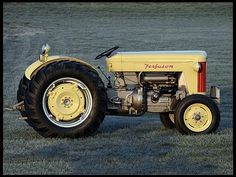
(197, 114)
(167, 120)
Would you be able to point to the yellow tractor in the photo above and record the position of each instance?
(65, 97)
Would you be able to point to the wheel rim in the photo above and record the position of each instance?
(171, 116)
(197, 117)
(67, 102)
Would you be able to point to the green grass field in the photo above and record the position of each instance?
(122, 145)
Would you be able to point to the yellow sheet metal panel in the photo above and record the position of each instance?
(34, 67)
(152, 61)
(190, 55)
(189, 79)
(114, 63)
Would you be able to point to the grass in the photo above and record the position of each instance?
(130, 148)
(122, 145)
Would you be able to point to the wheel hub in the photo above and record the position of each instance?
(197, 116)
(66, 101)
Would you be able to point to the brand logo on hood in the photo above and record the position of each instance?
(156, 66)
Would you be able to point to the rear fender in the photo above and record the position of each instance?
(37, 65)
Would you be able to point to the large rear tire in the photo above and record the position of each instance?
(24, 82)
(66, 99)
(21, 93)
(197, 114)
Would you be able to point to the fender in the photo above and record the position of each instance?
(37, 65)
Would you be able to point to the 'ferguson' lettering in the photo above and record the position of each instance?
(156, 66)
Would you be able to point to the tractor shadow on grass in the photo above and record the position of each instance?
(113, 124)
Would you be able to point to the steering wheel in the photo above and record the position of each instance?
(107, 52)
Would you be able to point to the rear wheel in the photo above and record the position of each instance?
(66, 99)
(197, 114)
(21, 93)
(167, 120)
(24, 82)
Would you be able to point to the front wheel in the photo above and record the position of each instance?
(197, 114)
(167, 120)
(66, 99)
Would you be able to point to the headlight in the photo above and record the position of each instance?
(197, 66)
(45, 48)
(44, 54)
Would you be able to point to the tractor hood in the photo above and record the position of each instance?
(154, 60)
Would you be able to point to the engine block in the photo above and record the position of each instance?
(135, 93)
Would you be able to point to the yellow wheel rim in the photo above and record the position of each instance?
(172, 117)
(66, 101)
(197, 117)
